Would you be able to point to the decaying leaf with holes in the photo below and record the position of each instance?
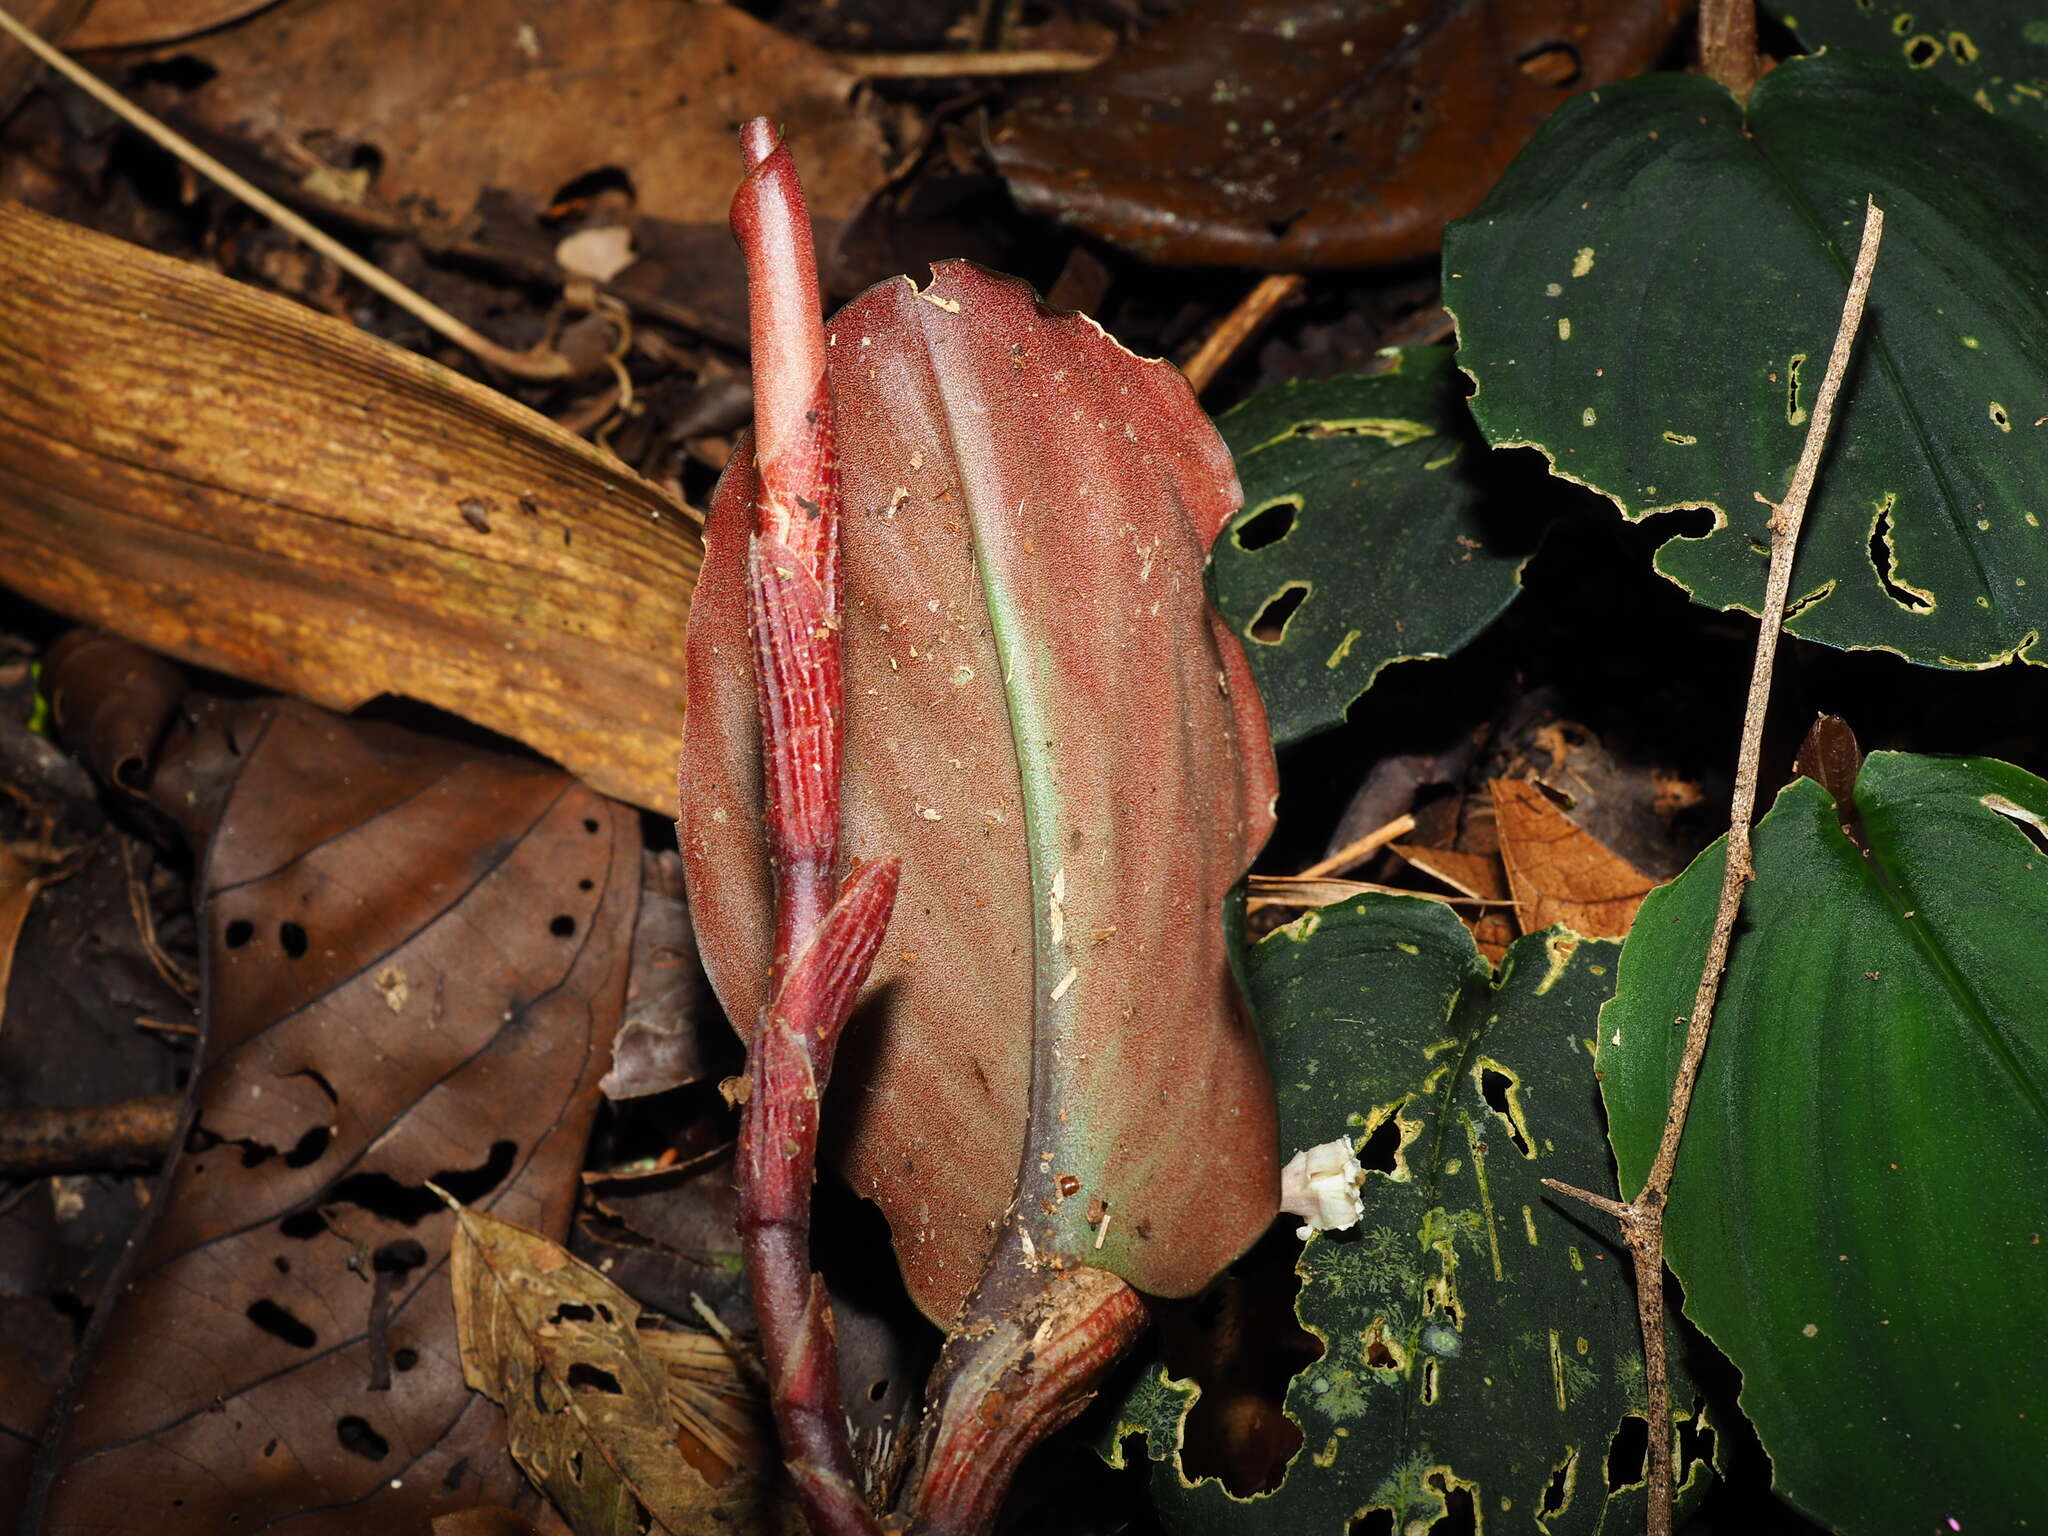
(1288, 135)
(1579, 285)
(600, 1418)
(1480, 1347)
(415, 957)
(1860, 1212)
(1377, 527)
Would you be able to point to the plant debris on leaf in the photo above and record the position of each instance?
(415, 958)
(1580, 288)
(1480, 1345)
(1290, 135)
(1862, 1192)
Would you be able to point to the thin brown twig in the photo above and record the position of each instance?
(540, 363)
(1354, 853)
(951, 66)
(1239, 326)
(1642, 1219)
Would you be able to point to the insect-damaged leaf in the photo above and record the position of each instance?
(587, 1394)
(415, 956)
(1288, 135)
(1374, 530)
(1992, 51)
(1481, 1351)
(1861, 1202)
(1580, 287)
(1061, 742)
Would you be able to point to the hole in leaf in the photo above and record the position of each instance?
(1241, 1341)
(1269, 526)
(590, 824)
(301, 1225)
(1922, 51)
(580, 189)
(405, 1359)
(1495, 1084)
(1374, 1522)
(584, 1377)
(1695, 1443)
(2022, 818)
(1552, 64)
(1557, 1494)
(1270, 627)
(571, 1312)
(1885, 561)
(279, 1323)
(877, 1390)
(181, 72)
(586, 885)
(1459, 1518)
(398, 1257)
(562, 926)
(293, 939)
(384, 1196)
(238, 933)
(355, 1434)
(310, 1148)
(1628, 1453)
(1429, 1382)
(1382, 1150)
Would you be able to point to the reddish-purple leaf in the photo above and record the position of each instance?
(1062, 744)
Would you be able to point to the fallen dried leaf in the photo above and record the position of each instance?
(136, 23)
(282, 1356)
(481, 116)
(170, 432)
(593, 1399)
(1559, 873)
(1285, 135)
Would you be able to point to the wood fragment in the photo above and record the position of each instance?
(1239, 326)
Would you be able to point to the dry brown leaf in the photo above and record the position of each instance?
(236, 481)
(136, 23)
(416, 953)
(20, 884)
(561, 1348)
(479, 114)
(1478, 875)
(53, 19)
(1559, 873)
(1291, 135)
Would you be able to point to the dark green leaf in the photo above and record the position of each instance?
(1993, 51)
(1651, 294)
(1365, 536)
(1863, 1188)
(1480, 1332)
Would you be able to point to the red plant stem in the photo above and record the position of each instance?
(823, 947)
(1036, 1338)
